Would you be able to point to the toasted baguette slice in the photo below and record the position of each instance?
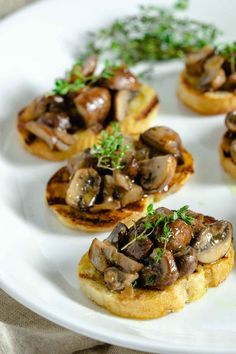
(147, 304)
(205, 103)
(87, 221)
(226, 161)
(106, 220)
(142, 110)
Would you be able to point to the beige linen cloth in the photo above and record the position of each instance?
(24, 332)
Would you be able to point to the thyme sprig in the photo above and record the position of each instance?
(152, 220)
(110, 149)
(64, 86)
(228, 51)
(154, 33)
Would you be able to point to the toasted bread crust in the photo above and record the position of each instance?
(147, 304)
(205, 103)
(106, 220)
(226, 161)
(143, 109)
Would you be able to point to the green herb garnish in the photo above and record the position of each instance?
(110, 150)
(155, 33)
(64, 86)
(159, 254)
(152, 220)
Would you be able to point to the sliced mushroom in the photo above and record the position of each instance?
(93, 104)
(122, 180)
(96, 255)
(55, 120)
(195, 61)
(131, 166)
(112, 205)
(83, 188)
(118, 259)
(230, 121)
(233, 151)
(121, 104)
(81, 160)
(50, 136)
(89, 65)
(213, 242)
(64, 137)
(139, 249)
(117, 280)
(132, 196)
(163, 139)
(186, 261)
(214, 77)
(156, 173)
(181, 235)
(231, 81)
(122, 79)
(118, 235)
(161, 273)
(142, 151)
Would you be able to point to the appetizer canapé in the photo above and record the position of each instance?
(162, 262)
(70, 119)
(208, 83)
(228, 145)
(116, 179)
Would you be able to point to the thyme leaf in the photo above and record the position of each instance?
(154, 33)
(110, 150)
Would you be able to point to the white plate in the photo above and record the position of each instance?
(38, 256)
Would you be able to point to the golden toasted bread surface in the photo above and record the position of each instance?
(142, 110)
(148, 304)
(205, 103)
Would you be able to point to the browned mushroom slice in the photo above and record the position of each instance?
(116, 258)
(117, 280)
(233, 151)
(213, 242)
(142, 151)
(133, 195)
(119, 259)
(157, 172)
(83, 188)
(109, 205)
(89, 65)
(181, 234)
(230, 121)
(55, 120)
(54, 139)
(186, 260)
(163, 139)
(195, 61)
(122, 180)
(214, 77)
(121, 104)
(43, 132)
(81, 160)
(118, 234)
(122, 79)
(139, 249)
(96, 256)
(93, 104)
(161, 273)
(231, 81)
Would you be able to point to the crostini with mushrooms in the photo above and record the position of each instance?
(116, 179)
(228, 145)
(70, 119)
(163, 261)
(208, 83)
